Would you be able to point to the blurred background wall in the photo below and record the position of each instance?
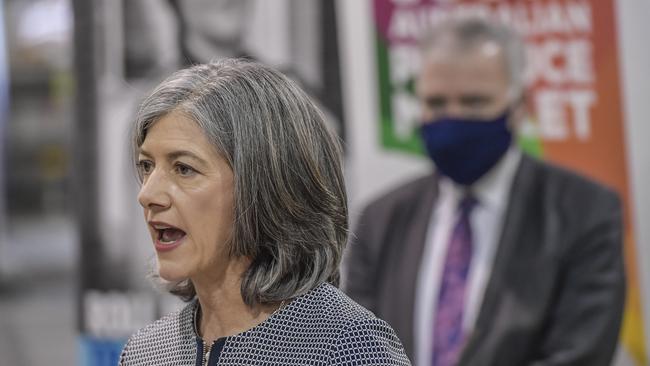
(38, 244)
(73, 285)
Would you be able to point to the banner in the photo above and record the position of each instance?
(573, 77)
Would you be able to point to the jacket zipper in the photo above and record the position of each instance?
(206, 353)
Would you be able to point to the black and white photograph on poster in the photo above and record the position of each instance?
(138, 44)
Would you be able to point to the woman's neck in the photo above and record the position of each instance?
(223, 311)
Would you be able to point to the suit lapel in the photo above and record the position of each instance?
(400, 299)
(513, 224)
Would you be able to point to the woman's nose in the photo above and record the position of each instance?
(154, 193)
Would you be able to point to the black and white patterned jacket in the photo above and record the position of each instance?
(322, 327)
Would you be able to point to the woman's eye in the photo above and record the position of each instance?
(184, 170)
(145, 167)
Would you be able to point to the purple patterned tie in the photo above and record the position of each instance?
(448, 327)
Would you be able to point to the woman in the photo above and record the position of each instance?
(244, 198)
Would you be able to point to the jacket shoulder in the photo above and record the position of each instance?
(402, 195)
(329, 304)
(168, 339)
(569, 186)
(362, 337)
(565, 203)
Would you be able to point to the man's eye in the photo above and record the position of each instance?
(184, 170)
(145, 167)
(475, 102)
(436, 102)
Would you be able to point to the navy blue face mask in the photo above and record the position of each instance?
(465, 149)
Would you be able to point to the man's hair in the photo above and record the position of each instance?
(466, 33)
(290, 211)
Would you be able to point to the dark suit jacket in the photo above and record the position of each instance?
(556, 291)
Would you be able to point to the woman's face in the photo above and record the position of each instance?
(187, 196)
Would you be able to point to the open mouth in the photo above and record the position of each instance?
(170, 236)
(167, 234)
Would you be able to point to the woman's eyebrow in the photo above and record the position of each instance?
(144, 152)
(185, 153)
(176, 154)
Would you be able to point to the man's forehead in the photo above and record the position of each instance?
(453, 51)
(480, 58)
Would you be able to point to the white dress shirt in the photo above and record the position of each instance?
(486, 219)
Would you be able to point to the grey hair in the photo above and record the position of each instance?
(469, 32)
(291, 215)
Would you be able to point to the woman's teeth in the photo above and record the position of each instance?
(169, 236)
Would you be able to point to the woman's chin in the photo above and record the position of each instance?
(171, 273)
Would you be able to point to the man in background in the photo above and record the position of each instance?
(496, 258)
